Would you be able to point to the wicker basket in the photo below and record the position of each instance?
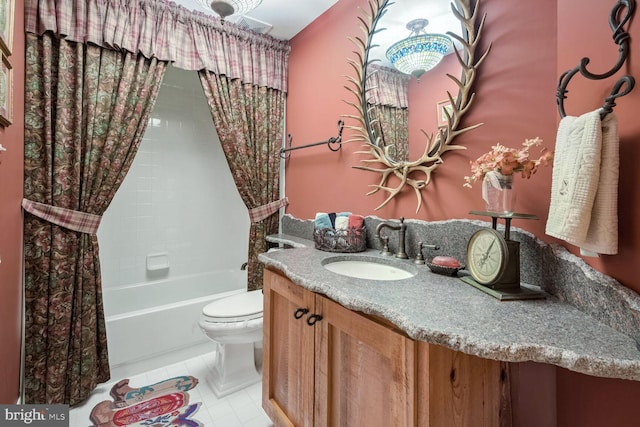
(347, 240)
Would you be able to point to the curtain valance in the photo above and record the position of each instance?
(168, 32)
(386, 86)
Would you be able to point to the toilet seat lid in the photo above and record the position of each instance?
(243, 306)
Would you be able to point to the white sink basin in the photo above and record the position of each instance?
(367, 269)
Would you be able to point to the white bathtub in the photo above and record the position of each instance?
(154, 324)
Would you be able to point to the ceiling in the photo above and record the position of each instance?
(288, 17)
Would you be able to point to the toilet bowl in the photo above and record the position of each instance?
(235, 324)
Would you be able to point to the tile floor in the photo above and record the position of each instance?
(240, 409)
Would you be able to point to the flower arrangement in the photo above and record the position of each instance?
(508, 161)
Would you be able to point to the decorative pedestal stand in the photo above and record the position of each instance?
(507, 286)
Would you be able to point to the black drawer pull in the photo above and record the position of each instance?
(313, 318)
(300, 312)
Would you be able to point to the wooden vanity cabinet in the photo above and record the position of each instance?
(325, 365)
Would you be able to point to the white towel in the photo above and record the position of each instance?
(602, 236)
(342, 222)
(584, 189)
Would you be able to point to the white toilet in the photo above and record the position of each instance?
(235, 324)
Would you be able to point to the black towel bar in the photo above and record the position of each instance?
(334, 143)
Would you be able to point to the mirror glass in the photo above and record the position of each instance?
(404, 108)
(407, 122)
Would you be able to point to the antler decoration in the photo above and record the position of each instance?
(417, 173)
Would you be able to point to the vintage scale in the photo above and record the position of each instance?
(494, 260)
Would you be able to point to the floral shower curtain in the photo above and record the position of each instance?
(389, 108)
(86, 111)
(391, 124)
(74, 160)
(249, 120)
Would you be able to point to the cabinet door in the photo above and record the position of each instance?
(364, 371)
(288, 352)
(457, 389)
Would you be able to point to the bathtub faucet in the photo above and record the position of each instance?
(402, 229)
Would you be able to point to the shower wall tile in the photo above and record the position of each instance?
(179, 196)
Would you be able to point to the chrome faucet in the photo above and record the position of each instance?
(402, 229)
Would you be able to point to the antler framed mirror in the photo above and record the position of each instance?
(432, 55)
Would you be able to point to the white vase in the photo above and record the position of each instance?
(499, 193)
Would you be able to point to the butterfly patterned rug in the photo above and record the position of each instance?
(162, 404)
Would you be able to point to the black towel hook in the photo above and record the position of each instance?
(621, 38)
(610, 101)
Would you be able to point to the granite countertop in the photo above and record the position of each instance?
(289, 240)
(446, 311)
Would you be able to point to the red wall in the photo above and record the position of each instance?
(11, 177)
(533, 43)
(422, 101)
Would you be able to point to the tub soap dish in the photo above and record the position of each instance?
(158, 261)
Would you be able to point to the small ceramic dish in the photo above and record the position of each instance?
(446, 271)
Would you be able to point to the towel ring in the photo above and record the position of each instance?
(621, 38)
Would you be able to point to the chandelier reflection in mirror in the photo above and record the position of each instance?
(230, 7)
(419, 52)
